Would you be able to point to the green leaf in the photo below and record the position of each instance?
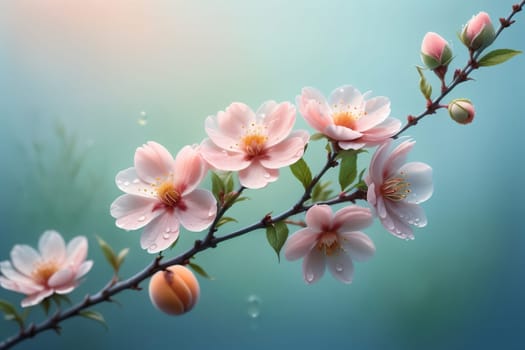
(321, 192)
(224, 220)
(497, 56)
(110, 255)
(198, 269)
(95, 316)
(347, 168)
(317, 136)
(59, 299)
(217, 186)
(277, 235)
(121, 256)
(302, 172)
(10, 313)
(424, 86)
(228, 183)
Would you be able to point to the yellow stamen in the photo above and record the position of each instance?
(253, 144)
(395, 189)
(44, 270)
(346, 119)
(168, 194)
(328, 243)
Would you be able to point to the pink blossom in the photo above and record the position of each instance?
(479, 32)
(435, 51)
(333, 240)
(255, 144)
(161, 194)
(348, 117)
(54, 268)
(462, 110)
(396, 188)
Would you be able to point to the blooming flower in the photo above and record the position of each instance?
(54, 268)
(332, 239)
(435, 51)
(255, 144)
(161, 194)
(348, 117)
(479, 32)
(461, 110)
(396, 188)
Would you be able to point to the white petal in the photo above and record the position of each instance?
(199, 212)
(52, 246)
(76, 251)
(313, 266)
(83, 269)
(61, 277)
(358, 245)
(24, 258)
(346, 95)
(419, 176)
(129, 182)
(133, 212)
(341, 267)
(300, 243)
(160, 233)
(257, 176)
(36, 298)
(352, 218)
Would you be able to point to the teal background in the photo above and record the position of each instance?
(76, 75)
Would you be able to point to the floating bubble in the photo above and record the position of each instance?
(143, 118)
(254, 306)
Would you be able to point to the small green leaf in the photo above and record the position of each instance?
(277, 235)
(224, 220)
(321, 191)
(348, 168)
(424, 86)
(228, 183)
(46, 304)
(10, 313)
(60, 298)
(317, 136)
(95, 316)
(198, 269)
(121, 256)
(302, 172)
(497, 56)
(217, 186)
(6, 307)
(108, 253)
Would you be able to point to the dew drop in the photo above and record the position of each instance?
(136, 181)
(152, 247)
(166, 236)
(126, 183)
(168, 229)
(143, 119)
(254, 305)
(309, 277)
(339, 267)
(119, 182)
(211, 213)
(141, 218)
(266, 175)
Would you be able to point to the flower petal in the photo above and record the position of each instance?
(52, 246)
(419, 176)
(152, 160)
(380, 133)
(199, 212)
(377, 110)
(300, 243)
(257, 176)
(346, 95)
(394, 224)
(286, 152)
(222, 159)
(133, 212)
(352, 218)
(319, 218)
(36, 298)
(397, 158)
(84, 269)
(24, 258)
(377, 165)
(341, 133)
(160, 233)
(409, 213)
(77, 250)
(358, 245)
(61, 278)
(279, 123)
(189, 169)
(314, 108)
(341, 267)
(313, 266)
(129, 182)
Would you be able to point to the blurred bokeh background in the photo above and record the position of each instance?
(83, 83)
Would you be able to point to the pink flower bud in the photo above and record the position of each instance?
(175, 290)
(461, 110)
(479, 32)
(435, 51)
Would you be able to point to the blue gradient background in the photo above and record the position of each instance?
(93, 66)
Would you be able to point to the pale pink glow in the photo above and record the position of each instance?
(331, 239)
(161, 194)
(254, 144)
(395, 188)
(476, 25)
(54, 268)
(348, 116)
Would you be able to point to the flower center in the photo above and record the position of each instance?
(395, 189)
(44, 270)
(167, 194)
(328, 243)
(253, 144)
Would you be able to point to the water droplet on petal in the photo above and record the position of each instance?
(119, 182)
(339, 267)
(211, 213)
(266, 175)
(136, 181)
(309, 277)
(126, 183)
(254, 306)
(141, 218)
(166, 236)
(168, 229)
(152, 247)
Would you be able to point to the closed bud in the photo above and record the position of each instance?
(479, 32)
(175, 290)
(461, 110)
(435, 51)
